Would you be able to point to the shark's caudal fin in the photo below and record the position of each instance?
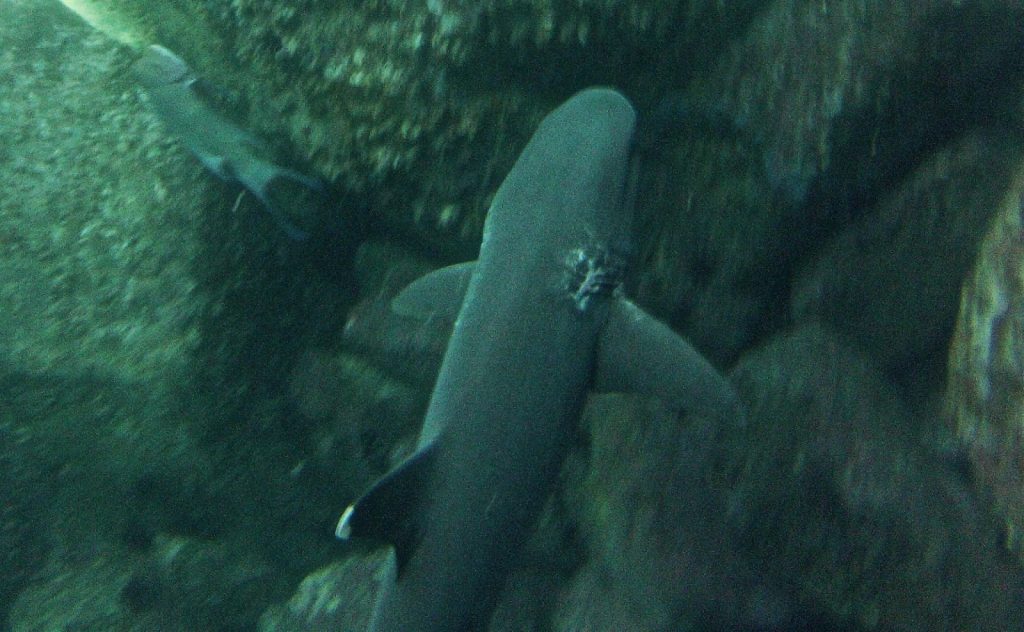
(638, 354)
(388, 511)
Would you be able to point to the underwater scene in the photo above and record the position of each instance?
(511, 315)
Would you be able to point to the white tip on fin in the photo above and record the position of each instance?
(344, 529)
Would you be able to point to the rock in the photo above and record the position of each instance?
(363, 411)
(985, 394)
(96, 268)
(643, 494)
(24, 544)
(147, 329)
(337, 597)
(82, 597)
(833, 497)
(802, 124)
(200, 585)
(890, 281)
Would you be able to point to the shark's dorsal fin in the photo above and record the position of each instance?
(638, 354)
(388, 510)
(437, 294)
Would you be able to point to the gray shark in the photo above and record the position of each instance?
(230, 152)
(541, 321)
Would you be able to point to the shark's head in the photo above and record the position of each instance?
(159, 66)
(566, 196)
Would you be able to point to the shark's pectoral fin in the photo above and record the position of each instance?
(388, 510)
(438, 294)
(637, 353)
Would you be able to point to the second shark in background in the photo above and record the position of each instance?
(230, 152)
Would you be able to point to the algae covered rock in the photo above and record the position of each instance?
(834, 498)
(23, 539)
(891, 279)
(644, 492)
(985, 394)
(806, 120)
(336, 597)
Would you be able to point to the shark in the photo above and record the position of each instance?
(540, 320)
(224, 148)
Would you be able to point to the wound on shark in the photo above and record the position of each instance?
(540, 322)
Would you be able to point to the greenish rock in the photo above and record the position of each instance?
(422, 108)
(643, 494)
(817, 109)
(150, 317)
(337, 597)
(891, 280)
(703, 215)
(96, 275)
(193, 584)
(23, 537)
(363, 409)
(87, 598)
(985, 391)
(834, 496)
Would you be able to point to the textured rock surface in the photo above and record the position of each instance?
(643, 493)
(891, 280)
(985, 396)
(89, 598)
(832, 497)
(142, 320)
(96, 274)
(337, 597)
(808, 117)
(23, 538)
(421, 108)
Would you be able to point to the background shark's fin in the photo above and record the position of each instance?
(638, 354)
(438, 294)
(388, 510)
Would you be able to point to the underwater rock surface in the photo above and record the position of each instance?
(985, 396)
(828, 472)
(891, 279)
(799, 127)
(186, 401)
(641, 490)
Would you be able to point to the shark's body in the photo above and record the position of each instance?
(230, 152)
(527, 344)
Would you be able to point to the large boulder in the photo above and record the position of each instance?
(985, 394)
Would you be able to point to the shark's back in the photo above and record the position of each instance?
(519, 362)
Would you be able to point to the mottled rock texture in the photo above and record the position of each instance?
(803, 123)
(142, 342)
(337, 597)
(891, 279)
(23, 539)
(985, 396)
(835, 500)
(422, 107)
(644, 492)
